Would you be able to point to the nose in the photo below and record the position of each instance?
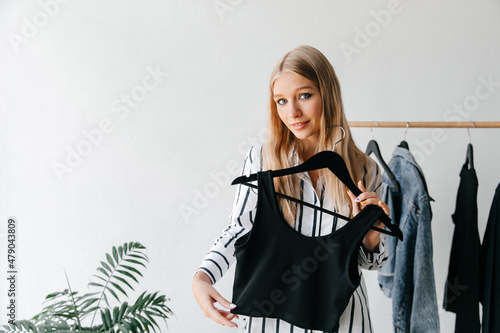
(294, 110)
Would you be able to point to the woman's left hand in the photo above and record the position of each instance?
(372, 237)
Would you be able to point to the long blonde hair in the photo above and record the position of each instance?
(313, 65)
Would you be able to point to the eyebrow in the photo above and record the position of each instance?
(299, 88)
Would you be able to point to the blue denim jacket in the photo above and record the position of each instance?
(408, 275)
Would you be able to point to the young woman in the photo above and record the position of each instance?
(306, 113)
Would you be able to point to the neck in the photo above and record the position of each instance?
(307, 150)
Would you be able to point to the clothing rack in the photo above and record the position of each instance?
(428, 124)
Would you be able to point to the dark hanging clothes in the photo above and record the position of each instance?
(462, 284)
(306, 281)
(490, 269)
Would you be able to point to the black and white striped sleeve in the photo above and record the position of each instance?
(221, 255)
(373, 260)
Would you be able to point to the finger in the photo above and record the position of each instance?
(228, 315)
(351, 195)
(361, 197)
(369, 201)
(366, 195)
(222, 301)
(214, 314)
(354, 202)
(384, 207)
(361, 186)
(379, 224)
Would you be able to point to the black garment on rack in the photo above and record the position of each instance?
(462, 285)
(490, 269)
(306, 281)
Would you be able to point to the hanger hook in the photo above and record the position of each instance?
(343, 136)
(376, 123)
(468, 132)
(406, 130)
(371, 130)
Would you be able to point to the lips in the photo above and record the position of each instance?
(299, 126)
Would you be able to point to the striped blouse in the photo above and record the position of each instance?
(309, 222)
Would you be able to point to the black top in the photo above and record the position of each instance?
(462, 284)
(490, 269)
(306, 281)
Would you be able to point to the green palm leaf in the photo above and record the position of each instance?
(118, 273)
(127, 274)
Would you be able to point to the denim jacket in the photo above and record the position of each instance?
(408, 275)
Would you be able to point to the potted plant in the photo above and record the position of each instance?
(66, 311)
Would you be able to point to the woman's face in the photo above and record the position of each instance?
(299, 106)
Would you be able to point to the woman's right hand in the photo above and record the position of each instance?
(206, 295)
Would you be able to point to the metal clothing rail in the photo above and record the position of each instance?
(428, 124)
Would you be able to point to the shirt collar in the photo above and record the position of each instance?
(294, 161)
(407, 156)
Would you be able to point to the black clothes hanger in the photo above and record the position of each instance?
(317, 208)
(373, 148)
(469, 157)
(335, 163)
(404, 144)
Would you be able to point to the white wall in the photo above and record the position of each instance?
(69, 75)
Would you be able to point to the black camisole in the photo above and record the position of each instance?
(281, 273)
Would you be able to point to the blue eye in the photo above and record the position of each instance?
(282, 101)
